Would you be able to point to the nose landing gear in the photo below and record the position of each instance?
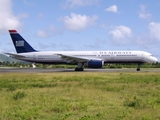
(139, 65)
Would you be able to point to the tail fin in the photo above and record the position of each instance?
(20, 43)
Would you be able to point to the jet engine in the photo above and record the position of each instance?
(94, 64)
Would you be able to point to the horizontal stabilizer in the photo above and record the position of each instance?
(15, 55)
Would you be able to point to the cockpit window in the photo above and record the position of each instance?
(150, 55)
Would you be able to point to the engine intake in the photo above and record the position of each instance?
(94, 64)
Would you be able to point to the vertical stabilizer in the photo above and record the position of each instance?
(20, 44)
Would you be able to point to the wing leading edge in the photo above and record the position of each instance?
(72, 59)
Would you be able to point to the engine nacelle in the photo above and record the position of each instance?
(94, 64)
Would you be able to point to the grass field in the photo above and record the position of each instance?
(80, 96)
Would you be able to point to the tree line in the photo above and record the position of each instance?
(30, 65)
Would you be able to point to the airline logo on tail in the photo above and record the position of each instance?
(19, 43)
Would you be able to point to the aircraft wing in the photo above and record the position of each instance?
(15, 55)
(73, 59)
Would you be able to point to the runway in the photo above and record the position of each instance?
(40, 70)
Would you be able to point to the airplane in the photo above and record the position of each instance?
(90, 59)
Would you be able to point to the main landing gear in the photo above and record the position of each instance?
(139, 65)
(79, 67)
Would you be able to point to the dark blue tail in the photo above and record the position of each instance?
(19, 42)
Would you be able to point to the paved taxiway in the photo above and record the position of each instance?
(39, 70)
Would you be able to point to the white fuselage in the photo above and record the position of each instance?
(106, 56)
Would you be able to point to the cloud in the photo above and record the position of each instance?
(120, 35)
(78, 3)
(42, 34)
(27, 3)
(112, 8)
(143, 14)
(144, 41)
(55, 46)
(55, 31)
(97, 44)
(49, 32)
(7, 18)
(104, 26)
(78, 22)
(40, 15)
(154, 30)
(42, 45)
(151, 39)
(23, 15)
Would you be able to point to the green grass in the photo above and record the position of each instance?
(80, 96)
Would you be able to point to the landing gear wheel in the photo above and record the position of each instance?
(138, 69)
(78, 69)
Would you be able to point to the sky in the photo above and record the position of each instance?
(56, 25)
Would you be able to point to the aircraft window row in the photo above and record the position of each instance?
(127, 55)
(85, 55)
(105, 55)
(46, 55)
